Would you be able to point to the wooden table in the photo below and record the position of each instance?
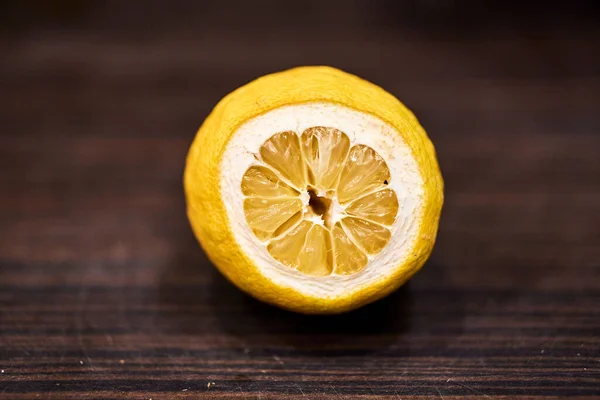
(104, 292)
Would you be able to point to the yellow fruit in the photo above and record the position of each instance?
(314, 190)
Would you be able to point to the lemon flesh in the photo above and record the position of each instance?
(321, 206)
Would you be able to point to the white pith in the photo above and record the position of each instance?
(361, 128)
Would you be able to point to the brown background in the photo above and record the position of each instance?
(104, 292)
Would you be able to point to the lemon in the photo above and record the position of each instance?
(314, 190)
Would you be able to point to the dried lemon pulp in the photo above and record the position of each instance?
(320, 205)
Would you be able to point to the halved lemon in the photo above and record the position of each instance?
(314, 190)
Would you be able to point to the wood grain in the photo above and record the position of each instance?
(105, 294)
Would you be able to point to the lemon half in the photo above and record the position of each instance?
(314, 190)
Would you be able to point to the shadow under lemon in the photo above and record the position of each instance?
(205, 302)
(198, 300)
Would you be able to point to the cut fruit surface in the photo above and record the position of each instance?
(314, 190)
(325, 151)
(375, 206)
(265, 215)
(263, 182)
(282, 152)
(364, 172)
(327, 174)
(349, 258)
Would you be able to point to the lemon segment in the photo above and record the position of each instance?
(364, 172)
(316, 257)
(282, 152)
(288, 225)
(380, 206)
(287, 249)
(260, 181)
(349, 259)
(325, 150)
(371, 237)
(266, 215)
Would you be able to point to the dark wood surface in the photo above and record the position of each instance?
(104, 292)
